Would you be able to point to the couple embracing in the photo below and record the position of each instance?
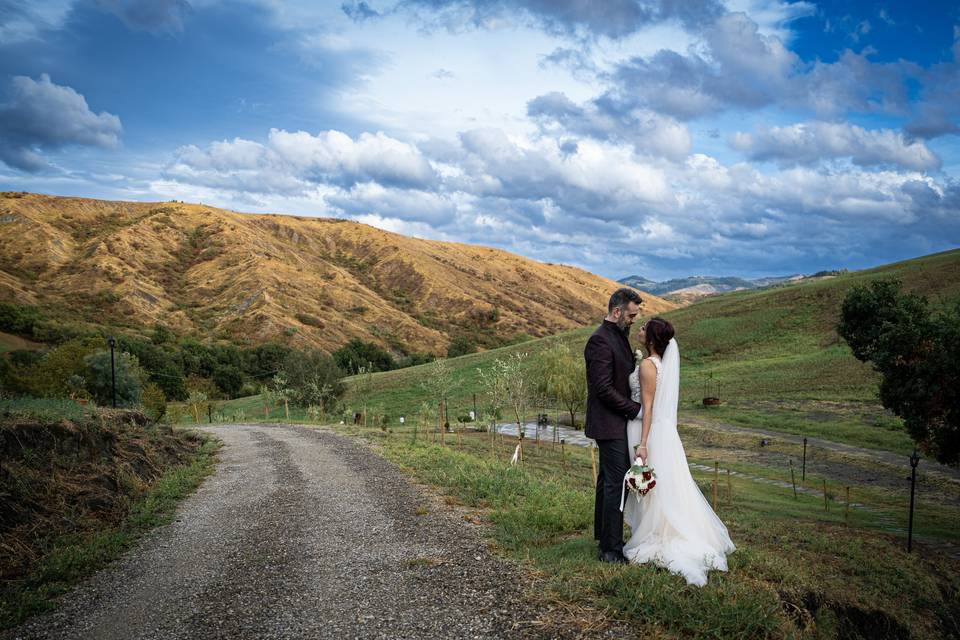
(632, 413)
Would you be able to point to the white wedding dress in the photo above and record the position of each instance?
(673, 525)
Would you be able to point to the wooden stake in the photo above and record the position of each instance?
(825, 507)
(443, 438)
(729, 488)
(286, 409)
(459, 441)
(716, 481)
(563, 453)
(793, 479)
(846, 509)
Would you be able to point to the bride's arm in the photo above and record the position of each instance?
(648, 386)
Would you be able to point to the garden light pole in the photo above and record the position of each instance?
(113, 372)
(914, 461)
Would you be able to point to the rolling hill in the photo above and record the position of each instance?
(772, 355)
(317, 282)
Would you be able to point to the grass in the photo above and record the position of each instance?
(844, 425)
(68, 559)
(43, 410)
(799, 571)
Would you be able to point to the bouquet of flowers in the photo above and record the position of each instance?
(641, 478)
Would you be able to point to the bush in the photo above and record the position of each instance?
(48, 375)
(154, 402)
(262, 361)
(128, 374)
(357, 353)
(18, 319)
(416, 358)
(229, 379)
(313, 379)
(162, 335)
(461, 346)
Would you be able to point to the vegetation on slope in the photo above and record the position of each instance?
(78, 487)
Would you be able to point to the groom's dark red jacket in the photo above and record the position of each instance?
(610, 361)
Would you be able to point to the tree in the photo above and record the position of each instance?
(49, 375)
(162, 334)
(154, 402)
(438, 383)
(357, 353)
(264, 360)
(461, 346)
(282, 392)
(507, 386)
(161, 364)
(229, 379)
(314, 379)
(564, 378)
(129, 378)
(197, 402)
(915, 351)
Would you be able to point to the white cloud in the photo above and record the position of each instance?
(812, 142)
(22, 21)
(43, 116)
(292, 162)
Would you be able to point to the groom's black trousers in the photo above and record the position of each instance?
(607, 517)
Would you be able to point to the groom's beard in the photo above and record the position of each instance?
(623, 326)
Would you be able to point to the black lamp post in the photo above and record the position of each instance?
(113, 371)
(914, 461)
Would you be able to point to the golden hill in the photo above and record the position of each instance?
(249, 278)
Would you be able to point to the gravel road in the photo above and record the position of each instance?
(300, 533)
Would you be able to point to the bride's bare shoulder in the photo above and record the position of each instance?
(648, 369)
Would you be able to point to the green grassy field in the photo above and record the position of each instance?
(773, 356)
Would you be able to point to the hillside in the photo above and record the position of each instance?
(248, 278)
(772, 355)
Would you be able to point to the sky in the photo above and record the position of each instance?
(661, 138)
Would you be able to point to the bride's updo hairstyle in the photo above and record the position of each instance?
(659, 334)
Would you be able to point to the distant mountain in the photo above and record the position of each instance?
(685, 290)
(638, 282)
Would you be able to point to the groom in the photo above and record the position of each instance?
(610, 361)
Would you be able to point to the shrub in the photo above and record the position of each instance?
(128, 375)
(19, 319)
(229, 379)
(313, 379)
(461, 346)
(154, 402)
(357, 353)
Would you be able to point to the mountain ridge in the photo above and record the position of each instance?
(249, 278)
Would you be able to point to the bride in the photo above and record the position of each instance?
(673, 526)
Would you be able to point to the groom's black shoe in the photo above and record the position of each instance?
(614, 557)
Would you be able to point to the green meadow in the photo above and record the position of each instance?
(805, 567)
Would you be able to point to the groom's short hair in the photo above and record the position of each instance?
(622, 297)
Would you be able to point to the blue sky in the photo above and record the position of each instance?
(660, 138)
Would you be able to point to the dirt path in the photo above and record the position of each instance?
(300, 533)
